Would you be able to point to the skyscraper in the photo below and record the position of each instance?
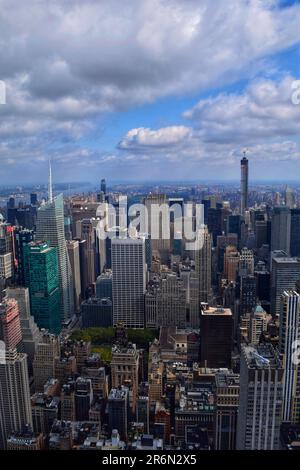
(289, 336)
(260, 403)
(15, 407)
(284, 275)
(281, 229)
(216, 326)
(203, 265)
(50, 227)
(244, 185)
(129, 281)
(295, 232)
(30, 332)
(158, 224)
(74, 257)
(10, 326)
(42, 279)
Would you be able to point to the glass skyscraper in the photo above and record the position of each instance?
(50, 227)
(42, 279)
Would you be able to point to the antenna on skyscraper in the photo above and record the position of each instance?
(245, 151)
(50, 194)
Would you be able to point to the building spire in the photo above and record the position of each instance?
(50, 195)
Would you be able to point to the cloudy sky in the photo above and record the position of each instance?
(149, 89)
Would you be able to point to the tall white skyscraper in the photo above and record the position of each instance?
(289, 335)
(15, 406)
(129, 281)
(50, 228)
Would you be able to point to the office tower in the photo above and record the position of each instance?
(231, 239)
(166, 303)
(289, 197)
(96, 312)
(246, 261)
(85, 231)
(42, 279)
(50, 227)
(6, 251)
(254, 324)
(142, 412)
(244, 185)
(33, 199)
(44, 360)
(118, 410)
(284, 275)
(234, 224)
(263, 278)
(281, 229)
(158, 225)
(206, 205)
(83, 267)
(295, 232)
(215, 223)
(74, 257)
(21, 238)
(216, 328)
(44, 408)
(289, 340)
(82, 351)
(104, 285)
(231, 263)
(83, 398)
(247, 294)
(129, 281)
(10, 326)
(227, 401)
(29, 329)
(203, 264)
(65, 366)
(125, 370)
(262, 233)
(103, 185)
(15, 408)
(67, 228)
(260, 404)
(67, 398)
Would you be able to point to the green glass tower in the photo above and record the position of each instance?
(42, 279)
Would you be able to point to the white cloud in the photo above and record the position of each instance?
(141, 138)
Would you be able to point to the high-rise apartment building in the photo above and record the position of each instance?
(129, 281)
(42, 279)
(260, 404)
